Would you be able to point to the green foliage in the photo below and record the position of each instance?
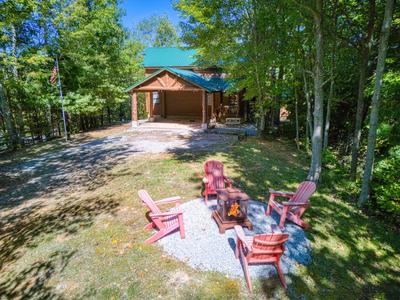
(384, 133)
(156, 31)
(166, 34)
(388, 134)
(386, 182)
(96, 63)
(82, 104)
(329, 158)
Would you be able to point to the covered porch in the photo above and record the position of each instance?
(175, 94)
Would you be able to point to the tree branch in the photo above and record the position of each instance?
(309, 8)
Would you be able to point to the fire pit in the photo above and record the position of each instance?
(231, 209)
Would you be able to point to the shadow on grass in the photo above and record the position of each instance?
(27, 227)
(253, 166)
(352, 254)
(84, 165)
(31, 282)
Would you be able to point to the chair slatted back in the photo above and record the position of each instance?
(304, 192)
(214, 172)
(271, 245)
(145, 197)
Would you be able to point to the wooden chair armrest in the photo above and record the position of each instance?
(166, 214)
(281, 194)
(174, 199)
(228, 180)
(295, 203)
(242, 237)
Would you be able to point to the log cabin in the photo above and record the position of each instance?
(176, 88)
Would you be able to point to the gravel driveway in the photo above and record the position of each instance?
(81, 163)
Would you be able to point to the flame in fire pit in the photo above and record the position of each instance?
(234, 210)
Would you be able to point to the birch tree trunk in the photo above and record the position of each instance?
(260, 100)
(262, 121)
(366, 47)
(49, 131)
(309, 128)
(18, 112)
(328, 115)
(373, 123)
(332, 84)
(316, 150)
(7, 115)
(296, 111)
(109, 115)
(254, 28)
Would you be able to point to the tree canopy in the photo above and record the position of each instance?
(98, 58)
(156, 31)
(320, 60)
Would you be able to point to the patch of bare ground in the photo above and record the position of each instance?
(60, 143)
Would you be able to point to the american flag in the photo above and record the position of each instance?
(53, 77)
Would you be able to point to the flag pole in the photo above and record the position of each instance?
(62, 101)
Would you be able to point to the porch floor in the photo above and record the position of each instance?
(171, 124)
(195, 126)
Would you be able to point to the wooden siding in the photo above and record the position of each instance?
(167, 82)
(183, 104)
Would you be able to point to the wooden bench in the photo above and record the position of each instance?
(232, 121)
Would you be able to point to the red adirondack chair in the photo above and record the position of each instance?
(214, 178)
(295, 207)
(163, 222)
(260, 249)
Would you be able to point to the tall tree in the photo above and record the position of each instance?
(332, 77)
(316, 150)
(5, 112)
(156, 31)
(224, 31)
(365, 47)
(376, 99)
(316, 11)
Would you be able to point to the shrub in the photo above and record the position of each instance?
(386, 182)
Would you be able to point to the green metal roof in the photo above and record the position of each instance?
(168, 57)
(213, 84)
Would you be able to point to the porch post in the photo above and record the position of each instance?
(151, 106)
(148, 105)
(204, 107)
(135, 122)
(163, 102)
(212, 105)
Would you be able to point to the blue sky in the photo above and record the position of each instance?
(137, 10)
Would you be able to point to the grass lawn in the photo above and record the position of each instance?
(88, 242)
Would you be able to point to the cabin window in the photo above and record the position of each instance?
(156, 97)
(210, 99)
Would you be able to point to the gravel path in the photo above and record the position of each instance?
(205, 249)
(79, 165)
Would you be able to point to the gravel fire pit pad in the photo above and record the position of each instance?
(204, 248)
